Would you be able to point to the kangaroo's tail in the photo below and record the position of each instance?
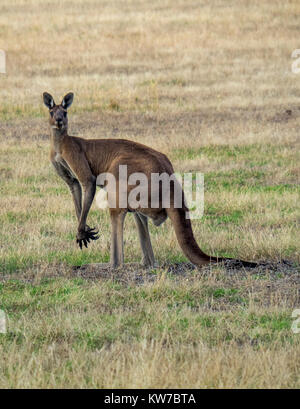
(187, 242)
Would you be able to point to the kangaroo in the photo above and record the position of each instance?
(79, 161)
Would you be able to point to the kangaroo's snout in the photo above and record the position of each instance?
(59, 118)
(59, 122)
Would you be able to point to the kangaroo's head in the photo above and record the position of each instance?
(58, 113)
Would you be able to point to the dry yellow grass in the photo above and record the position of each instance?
(189, 333)
(209, 86)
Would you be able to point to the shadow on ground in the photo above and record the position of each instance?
(135, 273)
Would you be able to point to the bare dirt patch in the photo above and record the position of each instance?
(135, 273)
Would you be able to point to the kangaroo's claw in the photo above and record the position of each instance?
(84, 237)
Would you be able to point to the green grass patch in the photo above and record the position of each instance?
(217, 216)
(15, 263)
(96, 315)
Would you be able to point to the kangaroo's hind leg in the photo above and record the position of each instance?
(145, 241)
(117, 246)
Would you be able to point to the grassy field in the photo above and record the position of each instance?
(211, 86)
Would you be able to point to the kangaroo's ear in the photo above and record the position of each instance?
(67, 100)
(48, 100)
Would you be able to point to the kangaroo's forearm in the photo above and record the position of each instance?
(74, 187)
(76, 191)
(89, 193)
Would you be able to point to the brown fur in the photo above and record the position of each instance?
(79, 161)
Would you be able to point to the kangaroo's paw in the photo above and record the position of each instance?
(84, 237)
